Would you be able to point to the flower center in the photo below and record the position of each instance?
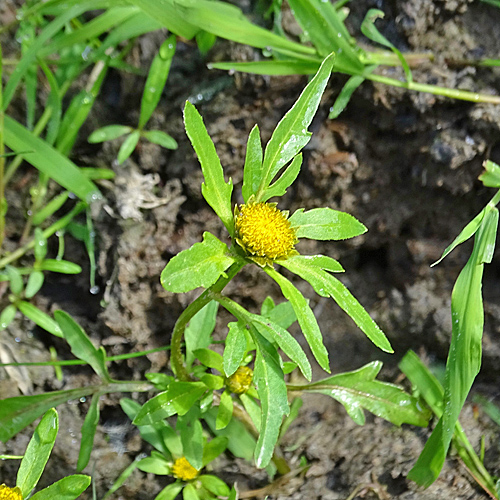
(183, 470)
(264, 231)
(7, 493)
(240, 381)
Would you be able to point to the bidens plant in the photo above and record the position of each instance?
(264, 235)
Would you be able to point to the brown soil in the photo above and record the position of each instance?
(405, 164)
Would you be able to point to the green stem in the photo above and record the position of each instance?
(464, 95)
(177, 359)
(3, 202)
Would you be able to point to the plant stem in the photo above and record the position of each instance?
(177, 360)
(3, 202)
(464, 95)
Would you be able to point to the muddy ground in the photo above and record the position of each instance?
(403, 163)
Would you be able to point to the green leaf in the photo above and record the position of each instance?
(16, 280)
(464, 357)
(128, 146)
(210, 358)
(81, 346)
(274, 67)
(49, 161)
(270, 383)
(282, 314)
(170, 492)
(235, 348)
(345, 95)
(291, 134)
(252, 172)
(305, 316)
(328, 33)
(108, 133)
(214, 382)
(205, 41)
(51, 207)
(192, 441)
(155, 410)
(252, 408)
(7, 315)
(89, 428)
(156, 80)
(325, 224)
(19, 412)
(285, 180)
(215, 485)
(225, 412)
(359, 389)
(370, 31)
(490, 178)
(68, 488)
(198, 333)
(200, 265)
(227, 21)
(183, 395)
(213, 449)
(40, 318)
(189, 492)
(40, 249)
(60, 266)
(313, 271)
(155, 464)
(38, 452)
(215, 190)
(161, 138)
(35, 282)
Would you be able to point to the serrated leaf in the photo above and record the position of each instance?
(271, 387)
(81, 346)
(89, 428)
(200, 265)
(252, 172)
(215, 190)
(235, 348)
(68, 488)
(327, 285)
(291, 133)
(325, 224)
(305, 317)
(38, 452)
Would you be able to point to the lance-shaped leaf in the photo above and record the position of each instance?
(155, 410)
(235, 348)
(68, 488)
(270, 383)
(291, 133)
(325, 224)
(324, 284)
(359, 389)
(192, 441)
(18, 412)
(252, 172)
(464, 358)
(38, 452)
(200, 265)
(305, 317)
(215, 190)
(285, 180)
(225, 411)
(81, 346)
(89, 428)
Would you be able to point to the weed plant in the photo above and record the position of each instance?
(244, 395)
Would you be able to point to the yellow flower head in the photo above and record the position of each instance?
(7, 493)
(240, 381)
(183, 470)
(264, 232)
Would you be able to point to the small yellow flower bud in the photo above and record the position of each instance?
(7, 493)
(240, 381)
(264, 232)
(183, 470)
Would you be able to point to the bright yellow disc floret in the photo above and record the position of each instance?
(7, 493)
(264, 232)
(183, 470)
(240, 381)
